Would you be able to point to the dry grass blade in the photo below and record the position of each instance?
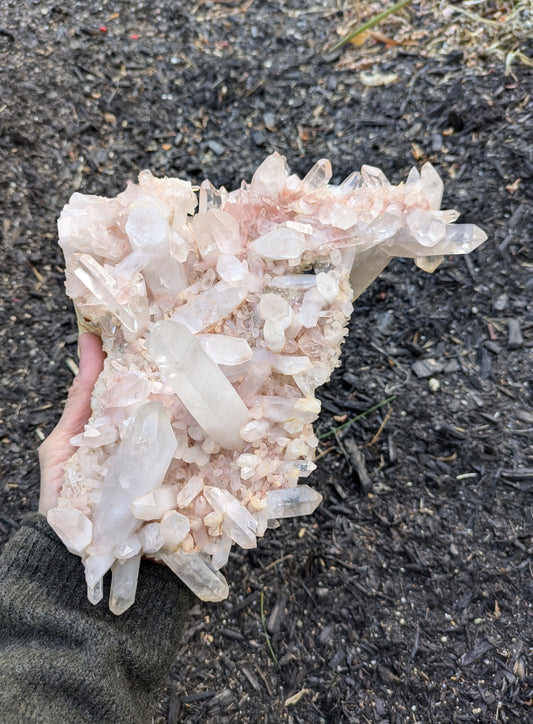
(369, 24)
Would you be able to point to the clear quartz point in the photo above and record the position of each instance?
(123, 584)
(209, 197)
(140, 465)
(270, 178)
(351, 182)
(199, 382)
(174, 527)
(238, 522)
(154, 504)
(151, 538)
(290, 502)
(432, 185)
(96, 566)
(280, 243)
(318, 176)
(413, 178)
(209, 307)
(199, 575)
(96, 593)
(105, 288)
(463, 238)
(221, 555)
(373, 177)
(128, 548)
(225, 350)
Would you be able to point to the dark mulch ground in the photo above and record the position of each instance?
(405, 598)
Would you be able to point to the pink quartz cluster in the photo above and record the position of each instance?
(218, 327)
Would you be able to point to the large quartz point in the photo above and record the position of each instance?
(218, 327)
(139, 465)
(199, 382)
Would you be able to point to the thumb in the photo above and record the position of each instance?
(78, 406)
(56, 449)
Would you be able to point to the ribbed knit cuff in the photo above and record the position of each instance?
(63, 659)
(37, 562)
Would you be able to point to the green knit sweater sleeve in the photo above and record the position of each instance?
(64, 660)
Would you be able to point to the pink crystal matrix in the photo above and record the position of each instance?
(219, 323)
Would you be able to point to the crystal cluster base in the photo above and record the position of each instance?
(219, 323)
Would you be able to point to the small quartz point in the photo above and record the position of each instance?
(151, 538)
(72, 526)
(128, 548)
(289, 502)
(428, 263)
(225, 350)
(96, 566)
(174, 527)
(280, 243)
(271, 176)
(318, 176)
(198, 574)
(152, 505)
(238, 522)
(432, 185)
(210, 198)
(106, 289)
(123, 584)
(218, 325)
(199, 382)
(96, 593)
(209, 307)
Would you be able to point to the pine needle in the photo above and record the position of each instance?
(357, 417)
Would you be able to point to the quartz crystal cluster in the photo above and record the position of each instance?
(219, 322)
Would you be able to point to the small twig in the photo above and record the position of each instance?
(357, 417)
(267, 636)
(323, 453)
(278, 560)
(380, 430)
(369, 24)
(356, 460)
(73, 367)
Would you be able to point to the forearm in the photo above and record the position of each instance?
(64, 660)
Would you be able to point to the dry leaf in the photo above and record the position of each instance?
(360, 39)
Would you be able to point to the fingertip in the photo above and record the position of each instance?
(91, 357)
(89, 342)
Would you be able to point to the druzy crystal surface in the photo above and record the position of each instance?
(220, 316)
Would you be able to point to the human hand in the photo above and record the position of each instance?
(56, 449)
